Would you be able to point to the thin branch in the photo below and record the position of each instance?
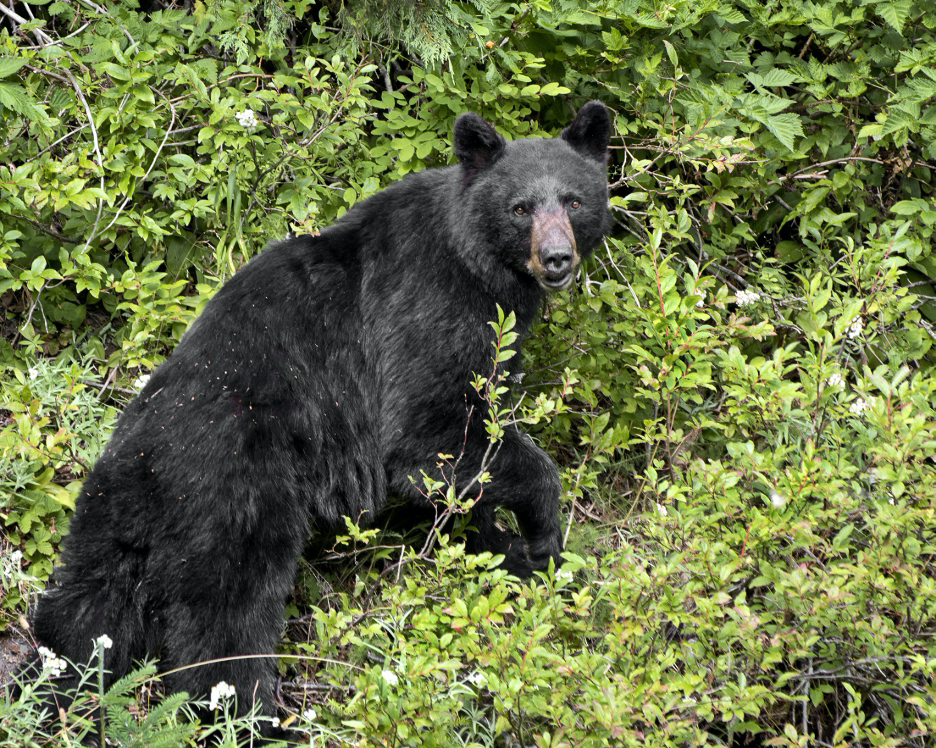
(41, 35)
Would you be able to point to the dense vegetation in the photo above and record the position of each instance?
(739, 390)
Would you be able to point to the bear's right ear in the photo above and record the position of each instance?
(477, 144)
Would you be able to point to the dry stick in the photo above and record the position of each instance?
(97, 151)
(143, 178)
(59, 41)
(39, 33)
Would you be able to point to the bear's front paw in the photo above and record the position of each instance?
(544, 549)
(516, 561)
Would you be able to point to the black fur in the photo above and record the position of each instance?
(322, 376)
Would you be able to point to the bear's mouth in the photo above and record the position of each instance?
(556, 283)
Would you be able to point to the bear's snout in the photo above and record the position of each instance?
(553, 255)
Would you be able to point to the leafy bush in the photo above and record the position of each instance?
(739, 391)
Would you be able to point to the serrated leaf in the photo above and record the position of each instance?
(895, 13)
(774, 77)
(15, 98)
(9, 65)
(897, 119)
(785, 127)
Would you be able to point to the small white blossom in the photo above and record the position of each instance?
(890, 501)
(247, 119)
(140, 382)
(776, 498)
(661, 510)
(33, 372)
(835, 378)
(310, 715)
(275, 722)
(218, 692)
(390, 677)
(860, 405)
(105, 641)
(16, 558)
(477, 678)
(701, 302)
(855, 328)
(52, 662)
(746, 297)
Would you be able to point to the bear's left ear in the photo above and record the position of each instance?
(590, 131)
(477, 144)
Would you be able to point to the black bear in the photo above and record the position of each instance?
(321, 376)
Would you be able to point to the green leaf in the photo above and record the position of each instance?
(15, 97)
(785, 127)
(9, 65)
(895, 13)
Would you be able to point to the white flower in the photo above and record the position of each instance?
(310, 715)
(105, 641)
(860, 405)
(275, 722)
(835, 378)
(218, 692)
(701, 302)
(746, 297)
(855, 328)
(33, 372)
(247, 119)
(776, 498)
(140, 382)
(52, 662)
(661, 510)
(390, 677)
(477, 678)
(16, 558)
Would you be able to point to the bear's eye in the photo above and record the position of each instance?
(575, 204)
(519, 210)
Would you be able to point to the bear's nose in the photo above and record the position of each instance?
(557, 259)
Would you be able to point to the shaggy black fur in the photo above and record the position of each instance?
(322, 376)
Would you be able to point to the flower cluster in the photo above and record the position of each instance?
(835, 378)
(860, 405)
(701, 301)
(776, 498)
(310, 715)
(661, 510)
(218, 692)
(140, 382)
(247, 119)
(52, 662)
(104, 641)
(855, 328)
(746, 297)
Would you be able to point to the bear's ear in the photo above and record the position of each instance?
(477, 144)
(589, 131)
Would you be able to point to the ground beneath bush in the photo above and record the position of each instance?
(14, 650)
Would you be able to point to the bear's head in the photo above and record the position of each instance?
(540, 203)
